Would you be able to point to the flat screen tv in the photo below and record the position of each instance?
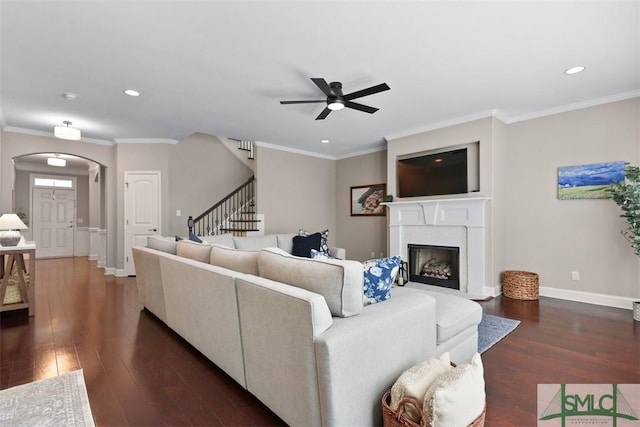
(433, 174)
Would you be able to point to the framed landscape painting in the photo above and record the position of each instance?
(365, 200)
(588, 181)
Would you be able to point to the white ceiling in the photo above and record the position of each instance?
(221, 67)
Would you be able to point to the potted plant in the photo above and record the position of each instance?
(626, 194)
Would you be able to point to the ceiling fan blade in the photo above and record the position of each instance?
(302, 102)
(323, 85)
(365, 92)
(324, 114)
(360, 107)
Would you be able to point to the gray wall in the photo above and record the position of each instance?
(554, 237)
(360, 236)
(296, 191)
(202, 171)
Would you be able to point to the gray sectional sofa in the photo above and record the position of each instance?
(293, 331)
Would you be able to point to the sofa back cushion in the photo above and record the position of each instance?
(160, 243)
(220, 239)
(256, 242)
(196, 251)
(235, 259)
(285, 241)
(338, 281)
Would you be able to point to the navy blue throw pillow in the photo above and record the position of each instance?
(302, 245)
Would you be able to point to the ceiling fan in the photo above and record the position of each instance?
(336, 100)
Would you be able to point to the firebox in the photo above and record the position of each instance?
(435, 265)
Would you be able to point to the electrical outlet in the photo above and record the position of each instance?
(373, 254)
(178, 212)
(575, 275)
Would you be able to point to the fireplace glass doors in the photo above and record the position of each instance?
(435, 265)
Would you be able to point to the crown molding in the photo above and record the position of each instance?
(293, 150)
(575, 106)
(145, 141)
(50, 135)
(362, 153)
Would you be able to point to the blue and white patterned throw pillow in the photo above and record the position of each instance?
(379, 275)
(320, 255)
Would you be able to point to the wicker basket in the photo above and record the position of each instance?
(520, 285)
(391, 418)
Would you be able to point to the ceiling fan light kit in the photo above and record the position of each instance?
(336, 100)
(66, 132)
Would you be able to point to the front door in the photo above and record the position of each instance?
(53, 223)
(141, 212)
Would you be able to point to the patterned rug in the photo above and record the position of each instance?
(492, 329)
(57, 401)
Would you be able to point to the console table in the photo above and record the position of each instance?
(15, 259)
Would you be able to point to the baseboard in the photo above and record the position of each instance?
(120, 272)
(93, 257)
(109, 271)
(588, 297)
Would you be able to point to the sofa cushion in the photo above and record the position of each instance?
(338, 281)
(235, 259)
(324, 244)
(256, 242)
(414, 382)
(220, 239)
(456, 398)
(285, 241)
(302, 245)
(160, 243)
(196, 251)
(454, 315)
(379, 275)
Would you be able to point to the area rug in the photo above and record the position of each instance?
(492, 329)
(57, 401)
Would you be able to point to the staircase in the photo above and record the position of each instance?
(234, 214)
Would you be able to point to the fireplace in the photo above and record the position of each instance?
(435, 265)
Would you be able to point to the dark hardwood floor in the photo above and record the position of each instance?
(138, 372)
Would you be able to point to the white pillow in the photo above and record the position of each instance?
(415, 381)
(456, 398)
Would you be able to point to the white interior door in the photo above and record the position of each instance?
(141, 212)
(53, 222)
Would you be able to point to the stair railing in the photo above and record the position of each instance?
(234, 214)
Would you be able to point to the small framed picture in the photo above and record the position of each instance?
(366, 200)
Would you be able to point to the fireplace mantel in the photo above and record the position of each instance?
(449, 222)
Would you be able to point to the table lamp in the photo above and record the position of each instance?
(10, 224)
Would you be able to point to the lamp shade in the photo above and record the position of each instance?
(11, 221)
(66, 132)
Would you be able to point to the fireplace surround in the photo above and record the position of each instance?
(459, 222)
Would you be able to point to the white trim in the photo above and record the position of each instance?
(293, 150)
(2, 122)
(119, 272)
(145, 141)
(110, 271)
(30, 167)
(50, 135)
(361, 153)
(588, 297)
(452, 122)
(573, 107)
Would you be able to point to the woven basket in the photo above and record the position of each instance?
(391, 418)
(520, 285)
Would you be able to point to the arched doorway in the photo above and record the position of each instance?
(63, 205)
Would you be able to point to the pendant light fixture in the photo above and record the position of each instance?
(66, 132)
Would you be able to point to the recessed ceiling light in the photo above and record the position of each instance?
(69, 96)
(325, 141)
(132, 92)
(575, 70)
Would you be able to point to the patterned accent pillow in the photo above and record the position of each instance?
(324, 247)
(320, 255)
(379, 275)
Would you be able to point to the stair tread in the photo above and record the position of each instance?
(239, 229)
(245, 220)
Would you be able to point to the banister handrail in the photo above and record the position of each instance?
(235, 214)
(224, 199)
